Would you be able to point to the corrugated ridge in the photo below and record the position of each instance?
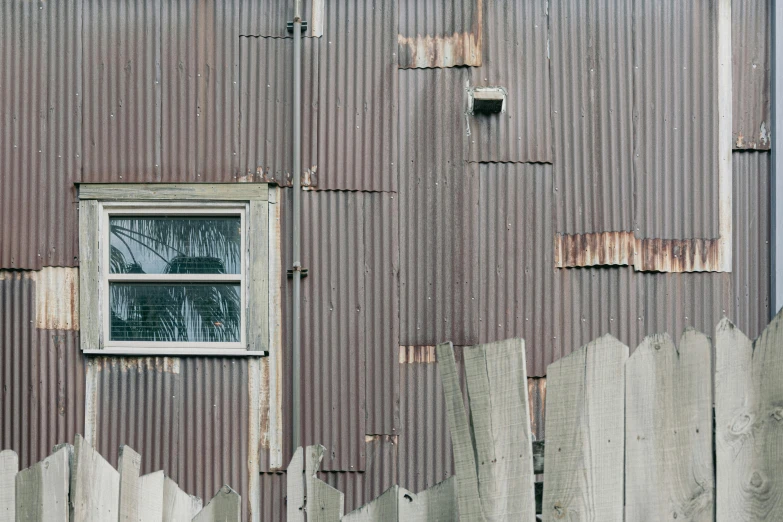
(517, 289)
(40, 119)
(750, 45)
(675, 119)
(515, 58)
(357, 101)
(41, 377)
(122, 91)
(273, 496)
(592, 111)
(268, 19)
(438, 212)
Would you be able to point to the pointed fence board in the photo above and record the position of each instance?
(225, 506)
(130, 463)
(749, 423)
(9, 466)
(436, 504)
(178, 506)
(461, 440)
(151, 497)
(323, 502)
(295, 486)
(668, 430)
(497, 390)
(42, 489)
(96, 485)
(381, 509)
(585, 446)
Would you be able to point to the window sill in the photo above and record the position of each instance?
(177, 352)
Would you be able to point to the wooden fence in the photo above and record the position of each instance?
(657, 435)
(75, 483)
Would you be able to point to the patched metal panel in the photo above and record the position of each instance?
(122, 91)
(750, 46)
(515, 59)
(266, 92)
(438, 212)
(56, 298)
(440, 33)
(188, 417)
(591, 49)
(357, 100)
(517, 285)
(41, 376)
(40, 119)
(675, 119)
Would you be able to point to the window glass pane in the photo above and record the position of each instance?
(191, 312)
(174, 245)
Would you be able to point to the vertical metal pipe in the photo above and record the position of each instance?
(297, 334)
(776, 181)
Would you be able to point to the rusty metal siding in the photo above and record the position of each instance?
(268, 19)
(121, 124)
(357, 100)
(40, 119)
(675, 119)
(266, 95)
(188, 417)
(517, 274)
(515, 58)
(750, 37)
(591, 47)
(41, 376)
(440, 33)
(438, 212)
(273, 496)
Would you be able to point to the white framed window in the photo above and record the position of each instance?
(174, 269)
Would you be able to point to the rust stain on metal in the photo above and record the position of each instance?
(264, 421)
(56, 295)
(139, 364)
(417, 354)
(645, 255)
(309, 178)
(440, 51)
(536, 396)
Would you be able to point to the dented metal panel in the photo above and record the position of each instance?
(440, 33)
(41, 376)
(438, 212)
(750, 46)
(591, 48)
(515, 59)
(40, 119)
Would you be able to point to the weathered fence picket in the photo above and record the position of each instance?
(150, 500)
(585, 409)
(9, 467)
(178, 506)
(749, 423)
(225, 506)
(397, 504)
(309, 495)
(128, 468)
(42, 489)
(668, 430)
(96, 485)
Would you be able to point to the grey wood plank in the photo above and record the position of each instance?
(151, 497)
(585, 410)
(96, 485)
(749, 423)
(295, 487)
(381, 509)
(174, 191)
(42, 489)
(323, 502)
(225, 506)
(178, 506)
(668, 430)
(435, 504)
(9, 466)
(129, 466)
(89, 280)
(461, 441)
(258, 276)
(497, 390)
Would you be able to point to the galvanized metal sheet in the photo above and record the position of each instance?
(269, 18)
(515, 47)
(438, 212)
(440, 33)
(750, 46)
(591, 49)
(41, 376)
(188, 417)
(40, 119)
(266, 92)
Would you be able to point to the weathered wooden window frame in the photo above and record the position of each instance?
(98, 201)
